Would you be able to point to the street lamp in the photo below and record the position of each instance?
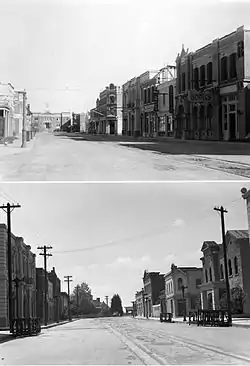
(184, 302)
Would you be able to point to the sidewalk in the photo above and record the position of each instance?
(15, 148)
(237, 322)
(51, 325)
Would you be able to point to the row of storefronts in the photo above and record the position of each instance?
(184, 289)
(204, 96)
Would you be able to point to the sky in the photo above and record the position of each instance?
(64, 52)
(108, 234)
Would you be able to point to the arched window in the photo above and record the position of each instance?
(230, 272)
(235, 265)
(171, 98)
(221, 272)
(180, 283)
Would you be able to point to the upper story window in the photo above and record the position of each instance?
(183, 81)
(171, 98)
(209, 73)
(202, 75)
(210, 274)
(145, 96)
(236, 269)
(224, 69)
(221, 271)
(232, 66)
(196, 78)
(180, 283)
(230, 271)
(149, 96)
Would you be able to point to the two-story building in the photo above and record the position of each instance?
(166, 107)
(182, 289)
(23, 277)
(153, 284)
(56, 288)
(213, 89)
(213, 286)
(131, 112)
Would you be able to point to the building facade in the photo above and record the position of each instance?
(50, 121)
(213, 286)
(56, 288)
(182, 289)
(23, 275)
(105, 118)
(153, 284)
(166, 107)
(139, 303)
(213, 89)
(64, 305)
(40, 296)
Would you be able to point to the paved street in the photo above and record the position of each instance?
(63, 157)
(129, 341)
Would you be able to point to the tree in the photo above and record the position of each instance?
(85, 297)
(116, 305)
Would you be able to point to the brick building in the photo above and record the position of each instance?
(177, 279)
(213, 89)
(24, 278)
(40, 296)
(64, 305)
(153, 284)
(213, 286)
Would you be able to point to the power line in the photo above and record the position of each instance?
(146, 234)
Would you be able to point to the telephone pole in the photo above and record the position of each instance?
(8, 208)
(222, 212)
(45, 254)
(68, 279)
(77, 300)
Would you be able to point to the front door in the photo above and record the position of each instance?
(232, 126)
(181, 307)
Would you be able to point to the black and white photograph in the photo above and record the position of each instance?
(124, 182)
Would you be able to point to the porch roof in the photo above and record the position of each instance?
(212, 285)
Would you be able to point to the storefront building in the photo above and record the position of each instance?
(212, 90)
(24, 279)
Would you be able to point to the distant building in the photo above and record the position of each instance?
(139, 303)
(153, 284)
(213, 286)
(50, 121)
(105, 118)
(182, 289)
(24, 278)
(56, 283)
(213, 89)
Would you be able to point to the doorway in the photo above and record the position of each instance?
(232, 126)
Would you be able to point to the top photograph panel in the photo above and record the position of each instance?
(119, 91)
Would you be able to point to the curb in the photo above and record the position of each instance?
(57, 324)
(182, 322)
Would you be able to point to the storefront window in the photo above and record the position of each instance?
(202, 117)
(209, 116)
(225, 116)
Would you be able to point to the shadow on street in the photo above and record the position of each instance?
(168, 145)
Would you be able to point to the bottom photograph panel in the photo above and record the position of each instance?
(141, 273)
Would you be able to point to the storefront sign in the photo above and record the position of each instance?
(195, 97)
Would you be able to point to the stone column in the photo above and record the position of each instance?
(204, 303)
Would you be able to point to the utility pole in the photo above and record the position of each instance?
(222, 211)
(45, 254)
(8, 208)
(68, 279)
(77, 299)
